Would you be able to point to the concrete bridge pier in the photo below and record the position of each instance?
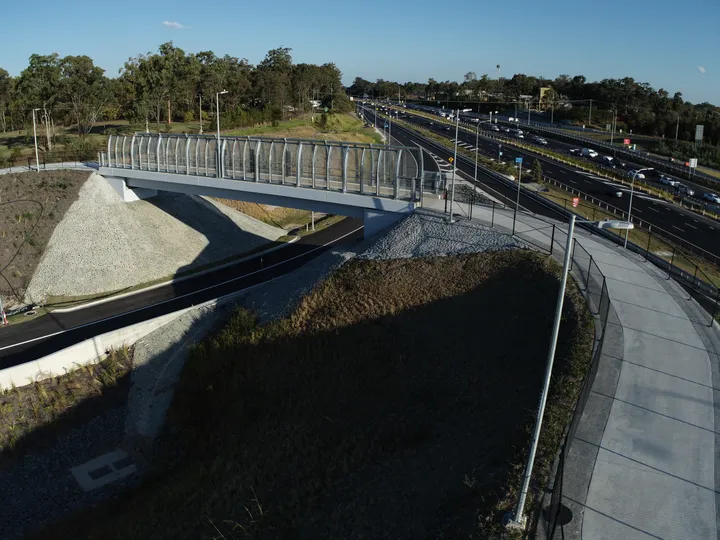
(129, 194)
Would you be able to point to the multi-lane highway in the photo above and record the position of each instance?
(687, 227)
(33, 339)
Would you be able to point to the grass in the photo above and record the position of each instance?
(712, 172)
(34, 415)
(363, 414)
(339, 127)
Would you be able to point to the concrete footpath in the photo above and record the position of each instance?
(643, 461)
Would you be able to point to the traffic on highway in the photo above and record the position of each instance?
(684, 225)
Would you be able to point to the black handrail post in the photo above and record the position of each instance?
(647, 249)
(672, 260)
(492, 219)
(552, 240)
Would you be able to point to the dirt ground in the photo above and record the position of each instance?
(31, 206)
(285, 218)
(395, 402)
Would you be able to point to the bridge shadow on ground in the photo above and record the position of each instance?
(408, 423)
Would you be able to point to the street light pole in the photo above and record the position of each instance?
(219, 165)
(37, 160)
(677, 126)
(517, 199)
(200, 96)
(477, 140)
(454, 164)
(632, 191)
(518, 518)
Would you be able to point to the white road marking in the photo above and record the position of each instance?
(678, 228)
(637, 210)
(693, 226)
(103, 470)
(654, 209)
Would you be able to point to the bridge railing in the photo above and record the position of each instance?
(367, 169)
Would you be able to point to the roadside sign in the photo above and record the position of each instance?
(451, 159)
(518, 160)
(576, 201)
(693, 163)
(607, 127)
(626, 141)
(699, 131)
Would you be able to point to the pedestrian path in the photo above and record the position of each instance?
(642, 464)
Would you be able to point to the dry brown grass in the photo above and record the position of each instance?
(392, 402)
(32, 416)
(285, 218)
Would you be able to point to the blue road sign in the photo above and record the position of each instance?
(518, 160)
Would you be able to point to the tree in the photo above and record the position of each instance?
(6, 93)
(84, 87)
(39, 87)
(470, 76)
(537, 172)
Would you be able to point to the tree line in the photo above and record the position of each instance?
(162, 87)
(635, 106)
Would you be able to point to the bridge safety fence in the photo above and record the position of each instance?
(368, 169)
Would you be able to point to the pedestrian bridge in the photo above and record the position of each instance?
(375, 182)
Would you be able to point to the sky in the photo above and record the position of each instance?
(669, 44)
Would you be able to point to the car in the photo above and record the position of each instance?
(668, 181)
(712, 197)
(494, 128)
(540, 140)
(589, 152)
(506, 129)
(636, 174)
(519, 135)
(684, 191)
(614, 192)
(574, 150)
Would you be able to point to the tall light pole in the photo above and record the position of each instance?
(677, 125)
(632, 191)
(518, 160)
(518, 520)
(454, 164)
(200, 111)
(37, 160)
(219, 167)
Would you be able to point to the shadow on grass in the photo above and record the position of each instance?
(361, 416)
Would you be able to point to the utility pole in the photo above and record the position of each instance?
(552, 112)
(219, 165)
(677, 126)
(37, 160)
(200, 96)
(517, 200)
(454, 164)
(590, 114)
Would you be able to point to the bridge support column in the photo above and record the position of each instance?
(377, 220)
(129, 194)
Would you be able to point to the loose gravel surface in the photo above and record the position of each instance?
(104, 245)
(427, 234)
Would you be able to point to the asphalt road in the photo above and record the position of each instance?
(685, 226)
(504, 192)
(34, 339)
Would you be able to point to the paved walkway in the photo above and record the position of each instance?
(643, 462)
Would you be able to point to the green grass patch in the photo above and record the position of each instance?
(361, 414)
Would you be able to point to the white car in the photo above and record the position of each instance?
(540, 140)
(589, 152)
(637, 175)
(494, 128)
(574, 150)
(667, 181)
(712, 197)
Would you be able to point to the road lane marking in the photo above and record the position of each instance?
(693, 226)
(654, 209)
(678, 228)
(216, 285)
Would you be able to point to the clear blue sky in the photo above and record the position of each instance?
(664, 42)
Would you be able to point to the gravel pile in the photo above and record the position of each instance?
(427, 234)
(104, 244)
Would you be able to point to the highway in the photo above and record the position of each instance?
(686, 226)
(504, 192)
(20, 343)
